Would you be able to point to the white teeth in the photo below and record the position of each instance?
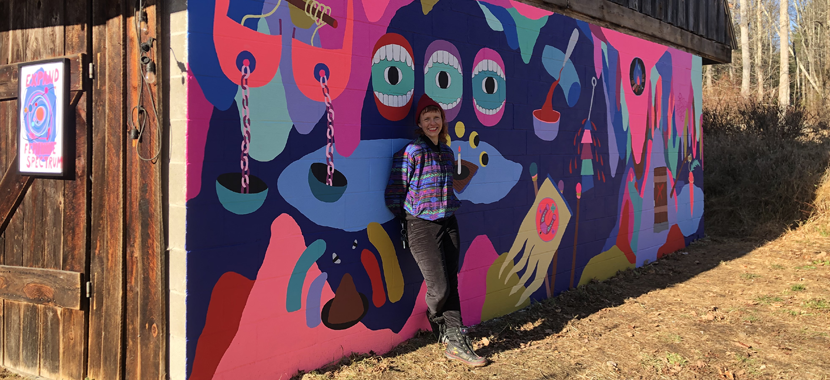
(487, 111)
(445, 57)
(450, 106)
(489, 65)
(393, 52)
(394, 100)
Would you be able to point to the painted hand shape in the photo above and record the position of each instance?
(538, 239)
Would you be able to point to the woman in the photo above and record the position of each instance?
(420, 193)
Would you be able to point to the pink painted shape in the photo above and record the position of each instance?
(349, 105)
(586, 137)
(597, 55)
(199, 111)
(529, 11)
(472, 279)
(272, 343)
(629, 48)
(374, 9)
(682, 89)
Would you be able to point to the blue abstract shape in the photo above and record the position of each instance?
(303, 112)
(527, 32)
(688, 217)
(508, 24)
(492, 21)
(585, 28)
(294, 292)
(552, 59)
(491, 183)
(312, 303)
(362, 202)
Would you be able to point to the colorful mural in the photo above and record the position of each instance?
(580, 153)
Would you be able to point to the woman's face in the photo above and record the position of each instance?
(431, 123)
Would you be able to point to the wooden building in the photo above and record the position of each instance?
(93, 264)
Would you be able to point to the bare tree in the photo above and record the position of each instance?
(745, 79)
(784, 45)
(759, 64)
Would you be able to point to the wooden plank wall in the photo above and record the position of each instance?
(706, 18)
(44, 340)
(106, 222)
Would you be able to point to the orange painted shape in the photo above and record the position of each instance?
(231, 39)
(674, 242)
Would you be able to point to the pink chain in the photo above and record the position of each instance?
(246, 125)
(329, 132)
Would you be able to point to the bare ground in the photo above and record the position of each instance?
(722, 309)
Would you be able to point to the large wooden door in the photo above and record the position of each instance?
(94, 240)
(45, 243)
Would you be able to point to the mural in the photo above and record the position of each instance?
(580, 154)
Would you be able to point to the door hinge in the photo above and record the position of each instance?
(91, 70)
(89, 289)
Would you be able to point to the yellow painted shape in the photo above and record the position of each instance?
(299, 18)
(389, 257)
(473, 135)
(605, 265)
(426, 5)
(499, 300)
(459, 129)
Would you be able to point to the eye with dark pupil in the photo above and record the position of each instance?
(393, 75)
(490, 85)
(485, 159)
(443, 80)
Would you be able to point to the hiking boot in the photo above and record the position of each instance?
(460, 348)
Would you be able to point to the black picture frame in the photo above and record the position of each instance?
(52, 166)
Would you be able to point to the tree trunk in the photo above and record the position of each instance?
(744, 49)
(759, 64)
(784, 67)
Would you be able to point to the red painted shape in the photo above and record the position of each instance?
(622, 236)
(370, 263)
(227, 301)
(674, 242)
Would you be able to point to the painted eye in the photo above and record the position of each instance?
(489, 81)
(335, 258)
(393, 76)
(443, 80)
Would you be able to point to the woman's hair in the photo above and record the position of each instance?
(442, 136)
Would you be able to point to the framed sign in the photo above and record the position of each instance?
(43, 101)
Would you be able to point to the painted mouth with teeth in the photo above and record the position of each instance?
(393, 76)
(489, 87)
(443, 76)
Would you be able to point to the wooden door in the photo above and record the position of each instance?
(45, 243)
(81, 258)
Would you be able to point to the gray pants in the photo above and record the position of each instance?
(435, 247)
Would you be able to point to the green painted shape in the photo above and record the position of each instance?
(527, 31)
(697, 85)
(587, 167)
(294, 293)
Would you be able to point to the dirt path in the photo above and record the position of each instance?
(723, 309)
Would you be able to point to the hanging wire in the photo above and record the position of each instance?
(141, 122)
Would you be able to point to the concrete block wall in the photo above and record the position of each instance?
(175, 54)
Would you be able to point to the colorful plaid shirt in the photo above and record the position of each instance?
(427, 170)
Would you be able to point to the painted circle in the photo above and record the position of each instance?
(320, 69)
(245, 56)
(39, 114)
(483, 159)
(459, 129)
(637, 76)
(547, 219)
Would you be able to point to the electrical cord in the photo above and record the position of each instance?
(137, 131)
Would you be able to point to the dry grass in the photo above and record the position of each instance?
(752, 302)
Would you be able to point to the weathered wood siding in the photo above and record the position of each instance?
(709, 19)
(103, 224)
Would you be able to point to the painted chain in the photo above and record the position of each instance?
(246, 126)
(330, 131)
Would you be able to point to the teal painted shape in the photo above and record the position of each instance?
(270, 122)
(552, 60)
(587, 167)
(697, 86)
(637, 207)
(655, 76)
(624, 109)
(294, 293)
(238, 203)
(528, 32)
(673, 148)
(492, 20)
